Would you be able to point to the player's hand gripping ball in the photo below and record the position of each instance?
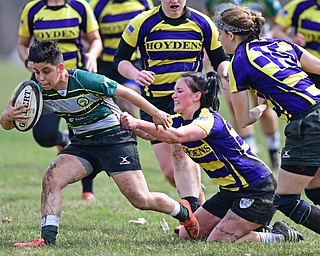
(28, 92)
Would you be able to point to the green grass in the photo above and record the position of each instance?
(101, 227)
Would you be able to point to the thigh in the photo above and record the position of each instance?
(163, 154)
(132, 185)
(64, 170)
(291, 183)
(178, 153)
(231, 228)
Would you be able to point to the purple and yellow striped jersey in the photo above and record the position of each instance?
(61, 23)
(304, 16)
(271, 69)
(223, 154)
(170, 49)
(113, 18)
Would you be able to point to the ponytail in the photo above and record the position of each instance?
(208, 84)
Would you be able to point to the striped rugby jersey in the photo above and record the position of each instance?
(61, 23)
(304, 16)
(223, 154)
(270, 68)
(268, 8)
(87, 107)
(170, 49)
(113, 18)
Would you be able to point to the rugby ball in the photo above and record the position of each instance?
(28, 92)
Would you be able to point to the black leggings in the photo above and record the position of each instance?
(46, 131)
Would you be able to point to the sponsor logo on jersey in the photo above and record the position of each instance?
(198, 152)
(56, 34)
(83, 101)
(174, 45)
(112, 28)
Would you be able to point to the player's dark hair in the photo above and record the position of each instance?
(208, 84)
(45, 51)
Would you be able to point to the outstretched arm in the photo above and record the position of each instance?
(159, 116)
(171, 135)
(11, 114)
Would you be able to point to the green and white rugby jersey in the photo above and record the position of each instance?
(87, 105)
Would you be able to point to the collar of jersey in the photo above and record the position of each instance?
(175, 22)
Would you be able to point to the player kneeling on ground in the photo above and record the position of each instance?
(245, 200)
(84, 99)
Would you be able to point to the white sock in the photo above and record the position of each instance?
(271, 238)
(50, 220)
(176, 209)
(251, 141)
(273, 140)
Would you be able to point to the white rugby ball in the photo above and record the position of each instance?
(28, 92)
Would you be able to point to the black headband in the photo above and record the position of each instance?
(229, 28)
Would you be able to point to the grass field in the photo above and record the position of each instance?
(101, 227)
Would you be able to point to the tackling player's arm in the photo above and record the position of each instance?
(159, 116)
(190, 132)
(11, 114)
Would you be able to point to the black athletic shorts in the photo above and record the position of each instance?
(254, 203)
(113, 152)
(302, 143)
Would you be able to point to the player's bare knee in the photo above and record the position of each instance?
(49, 178)
(140, 202)
(170, 179)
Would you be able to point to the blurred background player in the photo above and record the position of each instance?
(269, 121)
(65, 21)
(113, 17)
(299, 22)
(171, 39)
